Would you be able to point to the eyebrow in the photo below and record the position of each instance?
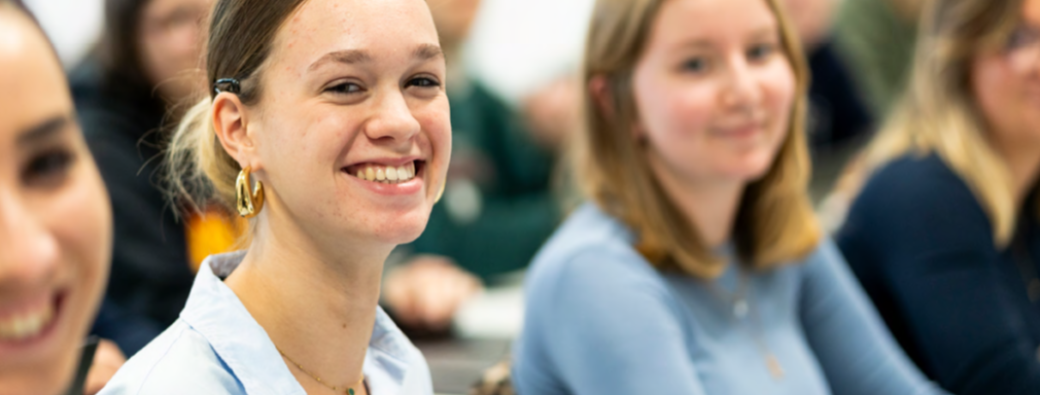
(355, 56)
(427, 52)
(43, 131)
(756, 35)
(350, 56)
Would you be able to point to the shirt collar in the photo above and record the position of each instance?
(215, 312)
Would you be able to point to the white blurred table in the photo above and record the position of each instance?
(485, 328)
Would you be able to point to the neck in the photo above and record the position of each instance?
(710, 206)
(318, 308)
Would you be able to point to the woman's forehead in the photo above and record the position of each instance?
(33, 81)
(320, 27)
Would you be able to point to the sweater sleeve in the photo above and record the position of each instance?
(610, 328)
(934, 254)
(855, 350)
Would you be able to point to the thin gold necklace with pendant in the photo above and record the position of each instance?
(741, 306)
(346, 390)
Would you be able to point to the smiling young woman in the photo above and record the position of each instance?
(698, 267)
(343, 125)
(55, 222)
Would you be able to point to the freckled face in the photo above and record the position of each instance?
(714, 96)
(345, 101)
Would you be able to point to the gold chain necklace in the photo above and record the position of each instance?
(348, 390)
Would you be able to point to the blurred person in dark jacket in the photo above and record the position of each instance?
(838, 113)
(145, 67)
(944, 231)
(497, 208)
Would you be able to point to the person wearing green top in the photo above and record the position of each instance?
(497, 208)
(876, 38)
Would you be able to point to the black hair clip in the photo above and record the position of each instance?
(232, 86)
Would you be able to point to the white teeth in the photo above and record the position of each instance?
(27, 324)
(388, 174)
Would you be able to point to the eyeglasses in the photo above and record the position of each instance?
(1023, 48)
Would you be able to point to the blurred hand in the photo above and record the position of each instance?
(428, 290)
(554, 112)
(107, 360)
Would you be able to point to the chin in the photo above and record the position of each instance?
(51, 379)
(404, 228)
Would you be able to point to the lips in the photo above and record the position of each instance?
(29, 322)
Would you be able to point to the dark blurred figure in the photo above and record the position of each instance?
(497, 209)
(837, 113)
(55, 224)
(876, 39)
(145, 65)
(945, 234)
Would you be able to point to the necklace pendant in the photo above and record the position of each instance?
(774, 367)
(350, 391)
(740, 308)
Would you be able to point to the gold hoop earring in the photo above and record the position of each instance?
(249, 204)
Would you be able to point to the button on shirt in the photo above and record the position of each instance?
(216, 347)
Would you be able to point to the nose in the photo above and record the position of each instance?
(742, 89)
(393, 120)
(29, 252)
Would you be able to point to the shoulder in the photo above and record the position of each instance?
(590, 263)
(590, 243)
(179, 361)
(911, 189)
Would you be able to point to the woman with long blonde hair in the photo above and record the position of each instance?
(944, 232)
(698, 267)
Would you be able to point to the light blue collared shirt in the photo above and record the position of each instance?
(216, 347)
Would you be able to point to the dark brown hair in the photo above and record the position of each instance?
(121, 69)
(240, 37)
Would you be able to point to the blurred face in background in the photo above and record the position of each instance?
(714, 91)
(171, 36)
(55, 223)
(453, 19)
(812, 19)
(1006, 83)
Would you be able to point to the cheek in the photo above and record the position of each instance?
(999, 95)
(435, 121)
(81, 221)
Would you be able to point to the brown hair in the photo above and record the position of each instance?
(938, 113)
(118, 53)
(240, 37)
(775, 222)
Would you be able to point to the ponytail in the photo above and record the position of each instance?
(199, 171)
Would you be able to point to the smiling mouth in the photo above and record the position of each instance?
(27, 325)
(386, 174)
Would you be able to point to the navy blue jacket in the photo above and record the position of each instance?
(923, 247)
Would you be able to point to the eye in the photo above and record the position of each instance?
(48, 169)
(344, 88)
(423, 82)
(1022, 37)
(696, 65)
(760, 52)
